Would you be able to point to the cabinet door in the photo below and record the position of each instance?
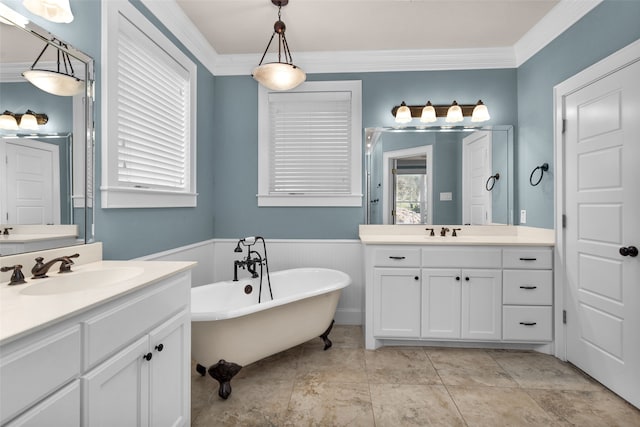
(116, 392)
(396, 302)
(169, 372)
(441, 290)
(482, 304)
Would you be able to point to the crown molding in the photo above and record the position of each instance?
(561, 17)
(558, 20)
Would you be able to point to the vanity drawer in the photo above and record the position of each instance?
(122, 323)
(397, 257)
(37, 369)
(461, 257)
(535, 258)
(527, 287)
(524, 323)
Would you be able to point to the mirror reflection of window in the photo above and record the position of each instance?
(410, 191)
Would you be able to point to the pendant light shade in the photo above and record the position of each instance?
(454, 114)
(403, 115)
(428, 113)
(61, 82)
(281, 75)
(480, 113)
(51, 10)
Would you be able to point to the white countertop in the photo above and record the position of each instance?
(21, 313)
(491, 235)
(26, 238)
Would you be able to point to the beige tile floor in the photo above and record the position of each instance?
(407, 386)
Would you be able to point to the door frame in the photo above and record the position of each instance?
(387, 164)
(609, 65)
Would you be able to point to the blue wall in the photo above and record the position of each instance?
(607, 28)
(227, 134)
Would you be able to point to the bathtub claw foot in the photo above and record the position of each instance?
(201, 370)
(325, 337)
(222, 372)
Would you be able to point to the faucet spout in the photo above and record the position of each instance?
(443, 231)
(41, 269)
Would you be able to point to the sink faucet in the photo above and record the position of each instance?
(443, 231)
(40, 270)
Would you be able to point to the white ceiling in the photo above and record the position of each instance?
(244, 26)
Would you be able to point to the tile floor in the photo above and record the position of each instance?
(407, 386)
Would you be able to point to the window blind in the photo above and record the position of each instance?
(152, 113)
(310, 150)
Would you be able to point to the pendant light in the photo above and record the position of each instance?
(281, 75)
(51, 10)
(62, 82)
(454, 114)
(403, 115)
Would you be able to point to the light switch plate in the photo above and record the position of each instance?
(446, 196)
(523, 216)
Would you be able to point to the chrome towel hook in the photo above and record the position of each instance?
(543, 168)
(492, 179)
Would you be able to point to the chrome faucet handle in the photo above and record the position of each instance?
(17, 278)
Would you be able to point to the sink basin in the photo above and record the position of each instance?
(78, 281)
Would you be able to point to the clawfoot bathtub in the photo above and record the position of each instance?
(230, 329)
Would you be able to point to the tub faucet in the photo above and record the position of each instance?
(41, 269)
(443, 231)
(248, 263)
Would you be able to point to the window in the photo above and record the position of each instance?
(149, 94)
(310, 145)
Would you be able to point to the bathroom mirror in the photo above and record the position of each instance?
(63, 182)
(439, 175)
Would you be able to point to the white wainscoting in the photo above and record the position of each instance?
(215, 263)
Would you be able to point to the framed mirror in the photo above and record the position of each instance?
(46, 182)
(439, 175)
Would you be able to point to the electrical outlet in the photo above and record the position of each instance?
(523, 216)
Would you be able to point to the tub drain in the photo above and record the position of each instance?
(248, 289)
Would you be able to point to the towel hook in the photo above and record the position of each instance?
(492, 179)
(543, 168)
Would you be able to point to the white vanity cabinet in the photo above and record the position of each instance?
(458, 293)
(123, 362)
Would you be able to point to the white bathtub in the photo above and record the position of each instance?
(230, 329)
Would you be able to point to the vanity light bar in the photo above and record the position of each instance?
(468, 110)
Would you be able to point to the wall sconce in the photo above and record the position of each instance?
(29, 120)
(429, 113)
(62, 82)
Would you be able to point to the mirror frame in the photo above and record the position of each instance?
(372, 135)
(34, 30)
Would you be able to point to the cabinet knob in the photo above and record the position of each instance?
(466, 278)
(160, 347)
(417, 278)
(458, 278)
(147, 356)
(631, 251)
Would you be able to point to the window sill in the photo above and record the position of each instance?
(306, 200)
(123, 197)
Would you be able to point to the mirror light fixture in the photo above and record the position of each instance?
(62, 82)
(29, 120)
(429, 113)
(51, 10)
(281, 75)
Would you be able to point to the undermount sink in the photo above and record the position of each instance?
(77, 281)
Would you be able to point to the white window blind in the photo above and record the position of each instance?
(310, 150)
(153, 119)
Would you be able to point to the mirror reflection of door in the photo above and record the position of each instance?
(408, 180)
(31, 174)
(476, 170)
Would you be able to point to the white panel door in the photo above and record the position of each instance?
(476, 170)
(396, 302)
(602, 143)
(32, 180)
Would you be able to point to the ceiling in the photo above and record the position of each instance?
(244, 26)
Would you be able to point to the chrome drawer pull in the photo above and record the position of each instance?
(397, 257)
(528, 323)
(528, 259)
(528, 287)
